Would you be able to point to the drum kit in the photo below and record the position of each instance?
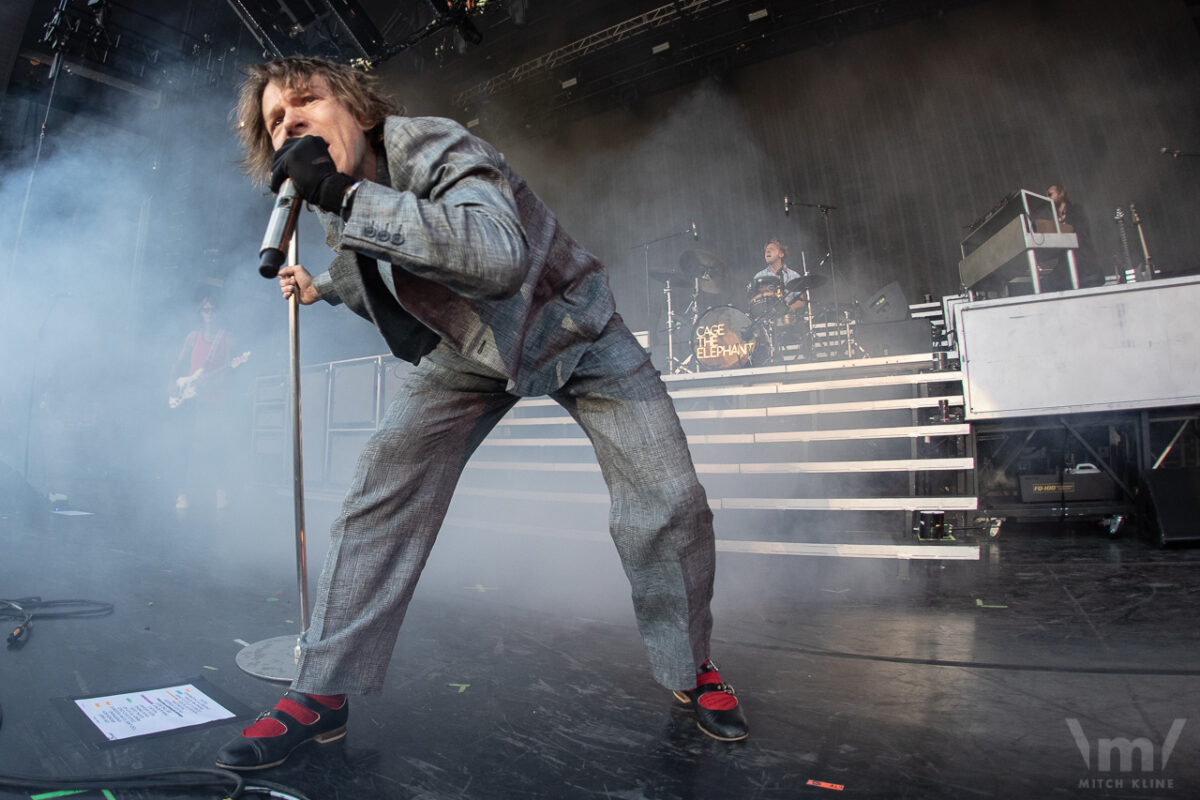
(768, 331)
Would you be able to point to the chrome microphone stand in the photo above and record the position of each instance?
(825, 209)
(278, 658)
(645, 248)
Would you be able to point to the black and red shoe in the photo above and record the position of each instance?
(297, 718)
(718, 712)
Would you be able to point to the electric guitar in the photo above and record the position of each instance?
(187, 386)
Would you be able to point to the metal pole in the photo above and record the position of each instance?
(1167, 451)
(670, 330)
(297, 447)
(1034, 281)
(278, 659)
(832, 266)
(1072, 269)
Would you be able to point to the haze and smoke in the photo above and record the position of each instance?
(126, 223)
(912, 132)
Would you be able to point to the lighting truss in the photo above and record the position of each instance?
(611, 35)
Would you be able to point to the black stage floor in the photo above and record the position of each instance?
(519, 673)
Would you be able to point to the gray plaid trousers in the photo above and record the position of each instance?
(659, 519)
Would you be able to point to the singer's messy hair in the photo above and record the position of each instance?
(355, 89)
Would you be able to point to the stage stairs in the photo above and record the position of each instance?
(798, 458)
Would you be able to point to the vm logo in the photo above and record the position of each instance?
(1125, 748)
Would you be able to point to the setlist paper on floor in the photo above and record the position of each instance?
(124, 716)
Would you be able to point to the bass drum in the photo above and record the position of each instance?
(724, 338)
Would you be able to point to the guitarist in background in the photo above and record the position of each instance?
(198, 394)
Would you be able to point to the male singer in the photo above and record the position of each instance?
(468, 275)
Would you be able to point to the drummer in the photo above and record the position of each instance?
(774, 252)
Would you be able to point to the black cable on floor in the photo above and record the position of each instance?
(24, 610)
(230, 784)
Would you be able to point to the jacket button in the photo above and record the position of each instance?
(397, 238)
(369, 231)
(382, 236)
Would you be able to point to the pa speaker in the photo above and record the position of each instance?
(895, 338)
(887, 305)
(1171, 505)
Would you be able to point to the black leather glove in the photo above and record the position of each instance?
(307, 162)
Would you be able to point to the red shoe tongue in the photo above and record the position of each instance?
(707, 678)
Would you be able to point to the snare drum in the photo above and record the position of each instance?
(765, 294)
(724, 337)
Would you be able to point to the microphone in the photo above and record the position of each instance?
(695, 233)
(1166, 151)
(279, 231)
(787, 206)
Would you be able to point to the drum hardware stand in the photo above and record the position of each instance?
(692, 312)
(808, 307)
(692, 315)
(674, 323)
(775, 350)
(851, 343)
(694, 307)
(670, 327)
(278, 658)
(673, 365)
(767, 327)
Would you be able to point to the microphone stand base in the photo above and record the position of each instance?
(275, 659)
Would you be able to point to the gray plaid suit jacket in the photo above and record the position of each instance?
(450, 244)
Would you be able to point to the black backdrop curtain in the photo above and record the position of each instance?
(913, 132)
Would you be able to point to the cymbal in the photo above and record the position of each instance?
(708, 266)
(804, 283)
(709, 285)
